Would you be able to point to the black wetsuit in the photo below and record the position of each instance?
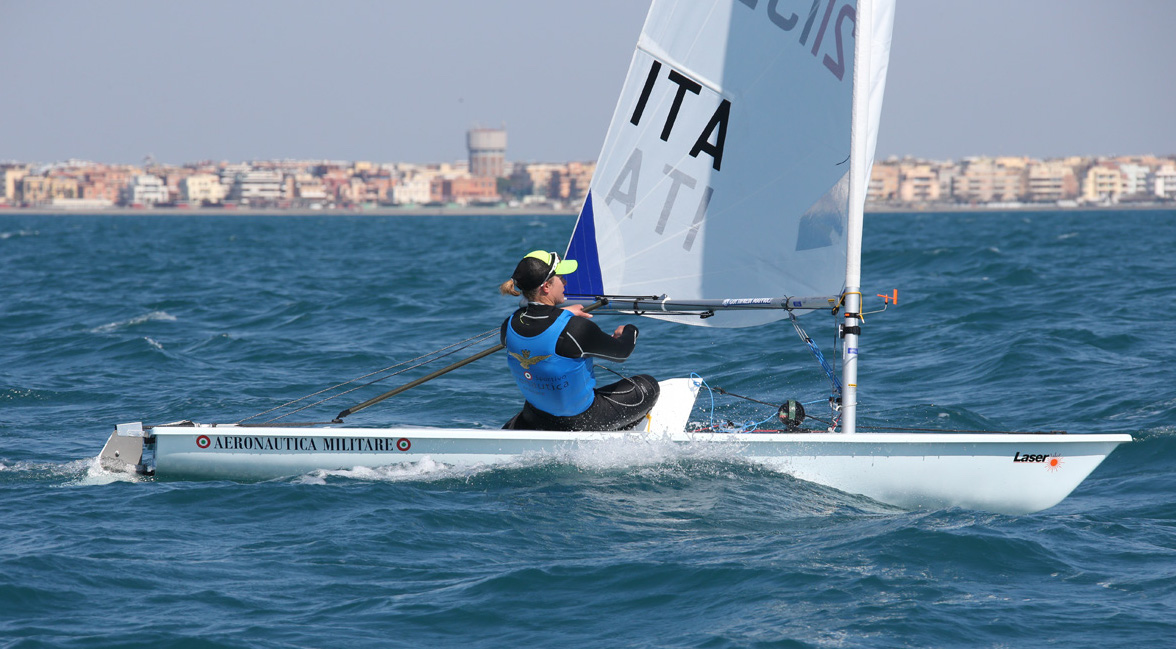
(617, 406)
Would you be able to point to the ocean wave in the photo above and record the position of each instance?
(619, 462)
(64, 473)
(18, 233)
(154, 316)
(656, 456)
(81, 472)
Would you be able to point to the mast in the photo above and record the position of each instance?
(858, 186)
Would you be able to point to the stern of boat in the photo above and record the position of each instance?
(126, 449)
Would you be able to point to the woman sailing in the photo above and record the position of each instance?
(550, 351)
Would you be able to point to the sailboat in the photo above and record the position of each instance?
(729, 193)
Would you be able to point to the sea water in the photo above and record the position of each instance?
(1004, 321)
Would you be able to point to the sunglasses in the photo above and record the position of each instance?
(554, 264)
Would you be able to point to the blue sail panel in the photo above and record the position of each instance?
(586, 281)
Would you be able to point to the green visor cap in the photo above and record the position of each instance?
(564, 267)
(538, 267)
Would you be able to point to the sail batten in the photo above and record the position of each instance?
(652, 49)
(725, 171)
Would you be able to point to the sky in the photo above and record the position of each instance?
(402, 80)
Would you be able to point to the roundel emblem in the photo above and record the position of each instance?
(203, 441)
(403, 444)
(528, 375)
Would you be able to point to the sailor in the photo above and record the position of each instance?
(550, 351)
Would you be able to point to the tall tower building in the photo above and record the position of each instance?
(487, 148)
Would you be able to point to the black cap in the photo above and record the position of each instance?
(538, 267)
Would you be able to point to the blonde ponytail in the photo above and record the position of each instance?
(508, 288)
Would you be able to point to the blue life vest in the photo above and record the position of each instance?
(552, 383)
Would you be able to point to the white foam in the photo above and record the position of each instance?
(18, 233)
(634, 451)
(154, 343)
(92, 473)
(642, 452)
(425, 468)
(83, 472)
(154, 316)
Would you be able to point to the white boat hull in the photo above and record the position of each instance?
(1003, 473)
(1009, 473)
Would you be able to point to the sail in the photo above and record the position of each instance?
(725, 172)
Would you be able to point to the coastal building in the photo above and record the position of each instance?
(307, 187)
(540, 177)
(412, 190)
(947, 173)
(1103, 183)
(1051, 181)
(333, 177)
(1134, 178)
(987, 180)
(579, 180)
(201, 189)
(10, 177)
(464, 190)
(105, 183)
(917, 183)
(36, 190)
(257, 187)
(1163, 181)
(369, 190)
(229, 173)
(883, 182)
(487, 152)
(145, 190)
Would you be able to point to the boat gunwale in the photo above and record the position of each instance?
(698, 436)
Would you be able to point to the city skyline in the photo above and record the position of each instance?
(185, 81)
(488, 180)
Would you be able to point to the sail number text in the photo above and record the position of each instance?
(710, 139)
(788, 20)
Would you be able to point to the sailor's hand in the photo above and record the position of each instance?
(620, 330)
(578, 309)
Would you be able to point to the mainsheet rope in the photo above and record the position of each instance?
(712, 389)
(432, 356)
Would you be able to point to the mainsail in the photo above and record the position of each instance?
(725, 174)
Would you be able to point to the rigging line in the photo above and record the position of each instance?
(397, 373)
(603, 367)
(816, 352)
(740, 396)
(371, 382)
(699, 381)
(476, 338)
(441, 372)
(465, 344)
(827, 423)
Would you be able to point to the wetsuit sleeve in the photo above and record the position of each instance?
(582, 338)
